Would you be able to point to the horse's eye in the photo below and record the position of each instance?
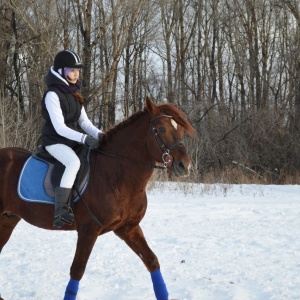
(162, 129)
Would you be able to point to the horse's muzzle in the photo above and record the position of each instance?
(181, 168)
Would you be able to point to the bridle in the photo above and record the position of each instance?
(166, 157)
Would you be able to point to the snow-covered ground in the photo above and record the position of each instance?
(214, 242)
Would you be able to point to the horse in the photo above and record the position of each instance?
(115, 198)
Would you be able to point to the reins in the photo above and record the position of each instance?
(166, 158)
(151, 166)
(88, 209)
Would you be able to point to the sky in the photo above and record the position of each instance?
(214, 242)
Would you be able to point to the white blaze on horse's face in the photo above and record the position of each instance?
(173, 122)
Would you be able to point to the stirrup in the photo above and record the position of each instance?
(57, 222)
(66, 217)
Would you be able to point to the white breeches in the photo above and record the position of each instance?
(69, 159)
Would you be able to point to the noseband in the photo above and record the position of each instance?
(166, 157)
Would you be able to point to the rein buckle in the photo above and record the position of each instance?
(166, 158)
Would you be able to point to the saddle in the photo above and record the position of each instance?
(42, 173)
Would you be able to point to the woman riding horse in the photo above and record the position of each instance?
(62, 109)
(116, 193)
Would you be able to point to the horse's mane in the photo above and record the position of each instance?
(165, 108)
(112, 131)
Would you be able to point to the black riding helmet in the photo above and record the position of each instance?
(67, 59)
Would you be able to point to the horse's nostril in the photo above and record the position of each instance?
(181, 165)
(181, 169)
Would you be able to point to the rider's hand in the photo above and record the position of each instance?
(91, 142)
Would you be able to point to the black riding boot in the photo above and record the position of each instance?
(63, 213)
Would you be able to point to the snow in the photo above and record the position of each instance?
(214, 242)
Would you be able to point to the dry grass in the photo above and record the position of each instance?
(234, 175)
(17, 129)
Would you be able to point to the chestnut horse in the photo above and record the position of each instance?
(115, 197)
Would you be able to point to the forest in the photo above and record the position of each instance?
(233, 66)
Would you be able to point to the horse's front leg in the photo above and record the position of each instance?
(135, 239)
(85, 244)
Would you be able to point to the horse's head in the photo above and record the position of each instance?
(165, 144)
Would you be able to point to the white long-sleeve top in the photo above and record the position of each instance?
(56, 115)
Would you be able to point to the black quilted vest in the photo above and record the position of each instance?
(71, 110)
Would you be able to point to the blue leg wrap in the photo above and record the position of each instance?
(71, 290)
(159, 285)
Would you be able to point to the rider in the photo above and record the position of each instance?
(63, 110)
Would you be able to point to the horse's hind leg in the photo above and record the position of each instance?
(135, 239)
(7, 224)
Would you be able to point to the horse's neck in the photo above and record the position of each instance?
(128, 148)
(131, 140)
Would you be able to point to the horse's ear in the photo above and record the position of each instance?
(151, 107)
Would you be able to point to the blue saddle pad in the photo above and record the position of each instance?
(33, 185)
